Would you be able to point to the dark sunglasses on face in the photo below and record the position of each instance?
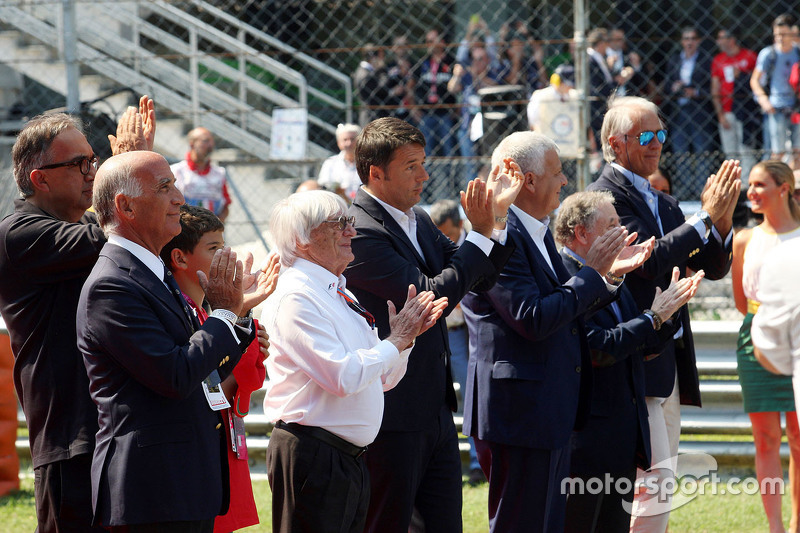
(342, 222)
(646, 137)
(84, 164)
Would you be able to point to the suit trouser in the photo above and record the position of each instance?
(316, 488)
(416, 469)
(193, 526)
(525, 487)
(605, 512)
(63, 494)
(651, 510)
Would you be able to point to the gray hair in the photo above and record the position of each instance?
(113, 180)
(579, 209)
(619, 120)
(294, 217)
(442, 210)
(527, 148)
(33, 143)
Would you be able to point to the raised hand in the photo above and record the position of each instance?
(505, 186)
(721, 190)
(605, 249)
(632, 256)
(223, 285)
(147, 109)
(478, 206)
(259, 284)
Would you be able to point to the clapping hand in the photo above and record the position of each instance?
(260, 284)
(419, 313)
(223, 285)
(505, 187)
(721, 193)
(136, 129)
(632, 256)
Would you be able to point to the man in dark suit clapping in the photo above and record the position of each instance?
(158, 463)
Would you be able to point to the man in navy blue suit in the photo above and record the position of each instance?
(529, 374)
(159, 463)
(616, 439)
(633, 136)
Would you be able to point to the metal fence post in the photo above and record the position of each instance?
(70, 56)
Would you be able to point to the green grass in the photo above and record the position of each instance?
(707, 513)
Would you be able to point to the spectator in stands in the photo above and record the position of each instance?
(766, 395)
(661, 180)
(616, 439)
(633, 137)
(370, 82)
(436, 105)
(202, 182)
(329, 368)
(339, 171)
(521, 58)
(49, 245)
(478, 33)
(466, 82)
(730, 86)
(445, 214)
(770, 84)
(561, 89)
(626, 66)
(601, 81)
(185, 255)
(691, 112)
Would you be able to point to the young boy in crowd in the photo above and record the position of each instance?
(186, 254)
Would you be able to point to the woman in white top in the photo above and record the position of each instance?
(766, 395)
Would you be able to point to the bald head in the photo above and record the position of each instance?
(201, 144)
(136, 198)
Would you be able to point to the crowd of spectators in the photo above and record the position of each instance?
(719, 100)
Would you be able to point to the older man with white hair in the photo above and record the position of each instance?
(633, 136)
(339, 171)
(329, 369)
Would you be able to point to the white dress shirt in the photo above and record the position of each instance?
(336, 170)
(537, 230)
(327, 368)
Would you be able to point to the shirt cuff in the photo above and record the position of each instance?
(481, 242)
(700, 226)
(226, 322)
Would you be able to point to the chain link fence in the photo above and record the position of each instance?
(463, 71)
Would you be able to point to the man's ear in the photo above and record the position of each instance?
(614, 141)
(124, 206)
(375, 174)
(39, 180)
(530, 181)
(580, 234)
(177, 260)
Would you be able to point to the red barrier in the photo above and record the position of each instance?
(9, 461)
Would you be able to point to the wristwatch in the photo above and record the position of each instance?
(224, 314)
(706, 218)
(657, 322)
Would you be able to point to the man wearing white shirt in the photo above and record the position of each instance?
(633, 137)
(146, 357)
(339, 171)
(414, 462)
(328, 370)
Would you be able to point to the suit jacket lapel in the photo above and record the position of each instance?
(515, 225)
(145, 277)
(427, 236)
(636, 200)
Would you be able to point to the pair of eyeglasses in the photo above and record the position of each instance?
(646, 137)
(342, 222)
(84, 164)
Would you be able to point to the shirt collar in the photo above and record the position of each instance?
(400, 217)
(536, 228)
(193, 166)
(326, 279)
(150, 260)
(638, 182)
(580, 260)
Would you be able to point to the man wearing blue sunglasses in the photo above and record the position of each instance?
(632, 138)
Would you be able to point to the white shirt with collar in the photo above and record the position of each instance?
(408, 223)
(537, 230)
(327, 367)
(154, 264)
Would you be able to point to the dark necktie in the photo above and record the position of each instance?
(357, 307)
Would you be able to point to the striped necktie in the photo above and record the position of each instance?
(357, 307)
